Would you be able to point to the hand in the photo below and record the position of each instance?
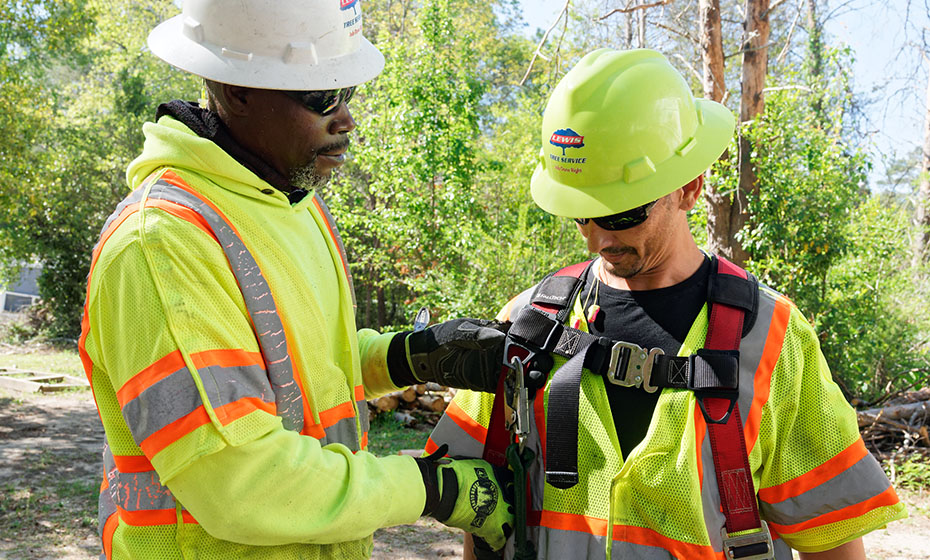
(469, 494)
(461, 353)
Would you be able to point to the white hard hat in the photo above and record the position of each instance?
(270, 44)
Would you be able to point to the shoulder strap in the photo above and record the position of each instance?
(724, 425)
(536, 328)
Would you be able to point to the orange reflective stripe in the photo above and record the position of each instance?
(227, 358)
(430, 446)
(181, 212)
(648, 537)
(149, 376)
(148, 517)
(797, 486)
(700, 429)
(175, 361)
(763, 377)
(887, 498)
(364, 442)
(337, 413)
(236, 410)
(568, 522)
(132, 463)
(108, 529)
(359, 393)
(466, 422)
(174, 431)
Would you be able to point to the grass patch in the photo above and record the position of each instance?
(44, 359)
(388, 436)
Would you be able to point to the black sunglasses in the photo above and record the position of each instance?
(324, 102)
(623, 220)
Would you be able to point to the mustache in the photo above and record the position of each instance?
(617, 251)
(335, 146)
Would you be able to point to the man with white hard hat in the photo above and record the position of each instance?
(219, 328)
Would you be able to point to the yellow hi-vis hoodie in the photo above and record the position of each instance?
(219, 338)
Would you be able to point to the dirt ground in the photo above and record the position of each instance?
(50, 473)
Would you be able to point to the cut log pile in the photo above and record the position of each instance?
(900, 428)
(425, 401)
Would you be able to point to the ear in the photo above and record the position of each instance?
(237, 99)
(690, 193)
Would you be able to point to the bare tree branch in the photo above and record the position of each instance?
(784, 52)
(678, 32)
(634, 8)
(537, 53)
(772, 7)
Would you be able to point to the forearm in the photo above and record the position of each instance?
(853, 550)
(284, 488)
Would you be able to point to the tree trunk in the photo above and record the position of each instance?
(922, 215)
(719, 205)
(752, 103)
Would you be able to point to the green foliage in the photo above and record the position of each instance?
(912, 472)
(78, 84)
(443, 164)
(818, 235)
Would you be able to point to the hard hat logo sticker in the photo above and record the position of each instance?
(567, 138)
(353, 5)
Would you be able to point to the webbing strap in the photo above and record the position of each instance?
(552, 300)
(731, 461)
(561, 432)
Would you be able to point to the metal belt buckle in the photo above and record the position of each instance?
(637, 365)
(747, 547)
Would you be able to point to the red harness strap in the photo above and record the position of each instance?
(731, 460)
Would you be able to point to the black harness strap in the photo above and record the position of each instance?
(622, 363)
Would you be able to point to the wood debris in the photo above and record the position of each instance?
(901, 428)
(29, 381)
(415, 403)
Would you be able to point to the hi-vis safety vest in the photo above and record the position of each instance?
(184, 405)
(817, 486)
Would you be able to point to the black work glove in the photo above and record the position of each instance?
(469, 494)
(461, 353)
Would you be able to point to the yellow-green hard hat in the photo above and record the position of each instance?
(622, 129)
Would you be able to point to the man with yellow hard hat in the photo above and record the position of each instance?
(689, 412)
(219, 328)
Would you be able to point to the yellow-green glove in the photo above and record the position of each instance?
(470, 494)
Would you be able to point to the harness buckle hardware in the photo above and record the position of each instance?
(751, 546)
(636, 364)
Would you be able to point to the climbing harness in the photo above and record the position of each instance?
(712, 373)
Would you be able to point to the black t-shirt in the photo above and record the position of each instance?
(652, 319)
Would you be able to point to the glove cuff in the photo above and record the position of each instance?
(398, 363)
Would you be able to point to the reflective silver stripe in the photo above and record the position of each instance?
(342, 432)
(137, 491)
(176, 396)
(750, 355)
(460, 442)
(105, 504)
(339, 245)
(860, 482)
(258, 300)
(558, 543)
(361, 407)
